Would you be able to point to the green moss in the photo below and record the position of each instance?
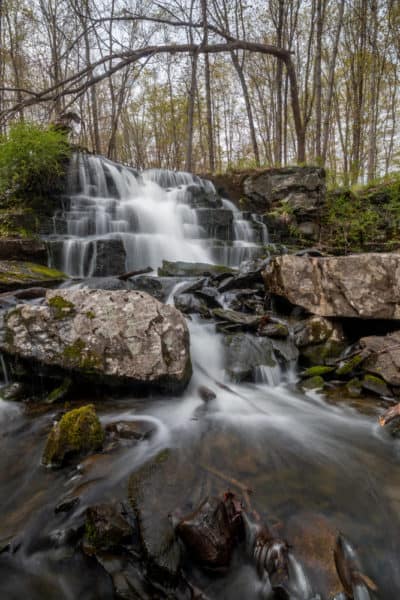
(59, 392)
(61, 308)
(313, 383)
(323, 353)
(317, 370)
(78, 356)
(350, 365)
(78, 432)
(90, 314)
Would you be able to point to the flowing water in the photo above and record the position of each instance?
(307, 461)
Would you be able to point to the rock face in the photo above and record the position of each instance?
(362, 285)
(115, 337)
(303, 188)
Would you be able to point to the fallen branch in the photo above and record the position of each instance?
(129, 274)
(246, 491)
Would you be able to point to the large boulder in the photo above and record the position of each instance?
(114, 337)
(361, 285)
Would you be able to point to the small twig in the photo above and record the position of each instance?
(244, 488)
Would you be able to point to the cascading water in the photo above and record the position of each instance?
(115, 218)
(301, 456)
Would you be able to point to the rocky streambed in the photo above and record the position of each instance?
(250, 464)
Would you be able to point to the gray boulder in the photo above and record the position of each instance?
(361, 285)
(113, 337)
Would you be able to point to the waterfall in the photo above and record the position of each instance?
(117, 219)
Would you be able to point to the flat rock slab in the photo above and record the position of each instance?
(117, 337)
(366, 286)
(15, 275)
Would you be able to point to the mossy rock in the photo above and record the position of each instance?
(313, 383)
(77, 433)
(325, 353)
(320, 370)
(348, 366)
(376, 385)
(16, 275)
(105, 528)
(58, 393)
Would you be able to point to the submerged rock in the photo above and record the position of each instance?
(78, 432)
(16, 275)
(105, 528)
(112, 337)
(245, 353)
(208, 534)
(152, 494)
(361, 285)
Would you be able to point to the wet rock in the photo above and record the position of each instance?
(313, 539)
(317, 330)
(362, 285)
(130, 430)
(187, 269)
(274, 329)
(23, 248)
(382, 356)
(106, 283)
(158, 287)
(59, 393)
(206, 394)
(67, 505)
(327, 353)
(77, 433)
(210, 296)
(14, 392)
(105, 528)
(313, 383)
(244, 353)
(116, 338)
(153, 496)
(244, 321)
(110, 257)
(15, 275)
(208, 534)
(189, 303)
(245, 300)
(354, 388)
(375, 384)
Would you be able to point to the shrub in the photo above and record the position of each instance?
(32, 161)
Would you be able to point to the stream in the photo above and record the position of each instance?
(302, 461)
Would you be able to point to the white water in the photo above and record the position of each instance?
(154, 214)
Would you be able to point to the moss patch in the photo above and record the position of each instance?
(76, 355)
(78, 432)
(313, 383)
(350, 365)
(317, 370)
(61, 308)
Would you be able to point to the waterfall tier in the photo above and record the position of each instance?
(115, 219)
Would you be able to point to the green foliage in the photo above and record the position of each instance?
(32, 161)
(365, 216)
